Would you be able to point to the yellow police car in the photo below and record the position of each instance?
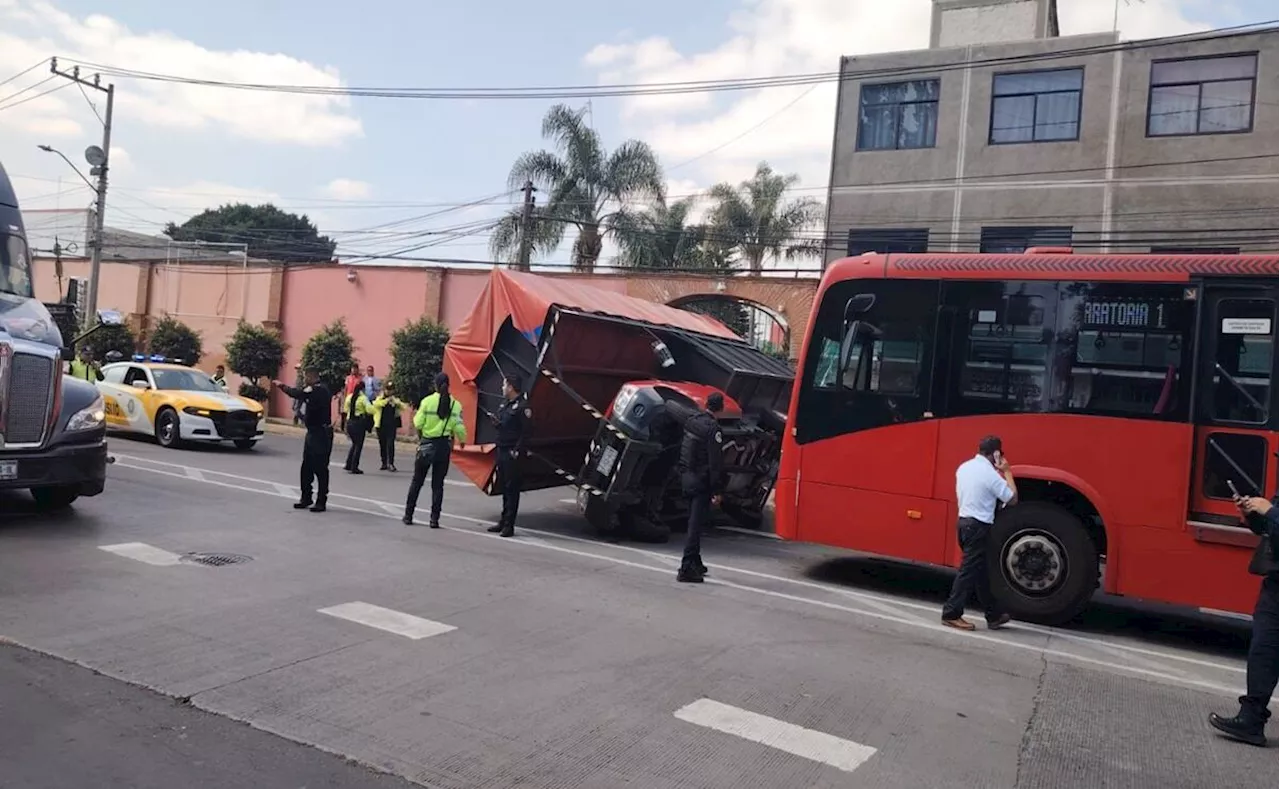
(176, 404)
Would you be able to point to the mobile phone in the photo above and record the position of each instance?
(1235, 493)
(996, 457)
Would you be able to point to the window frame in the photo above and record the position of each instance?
(991, 113)
(1253, 93)
(1006, 232)
(894, 236)
(897, 114)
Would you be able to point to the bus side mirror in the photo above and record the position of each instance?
(859, 304)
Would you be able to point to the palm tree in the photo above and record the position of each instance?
(660, 237)
(759, 223)
(584, 186)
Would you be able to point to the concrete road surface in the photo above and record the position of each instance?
(454, 658)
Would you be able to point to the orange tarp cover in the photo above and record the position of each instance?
(526, 298)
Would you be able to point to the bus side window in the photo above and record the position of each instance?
(1242, 367)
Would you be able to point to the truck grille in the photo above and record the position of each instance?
(30, 378)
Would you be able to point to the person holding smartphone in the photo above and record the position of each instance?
(1263, 665)
(983, 483)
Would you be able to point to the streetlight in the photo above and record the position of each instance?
(97, 159)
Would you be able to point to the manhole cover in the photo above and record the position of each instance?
(215, 559)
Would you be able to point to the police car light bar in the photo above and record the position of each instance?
(138, 357)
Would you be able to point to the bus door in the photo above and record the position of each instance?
(1235, 406)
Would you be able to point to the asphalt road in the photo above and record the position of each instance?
(454, 658)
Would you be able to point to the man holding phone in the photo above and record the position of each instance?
(983, 483)
(1263, 665)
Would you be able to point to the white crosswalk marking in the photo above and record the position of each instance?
(140, 551)
(402, 624)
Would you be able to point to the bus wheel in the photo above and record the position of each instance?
(1042, 564)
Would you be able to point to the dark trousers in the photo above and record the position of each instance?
(699, 509)
(437, 465)
(387, 445)
(509, 479)
(971, 580)
(316, 447)
(1260, 679)
(356, 432)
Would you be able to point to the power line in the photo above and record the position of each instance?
(36, 96)
(24, 72)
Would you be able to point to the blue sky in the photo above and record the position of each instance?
(183, 149)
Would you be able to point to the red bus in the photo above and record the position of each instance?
(1131, 391)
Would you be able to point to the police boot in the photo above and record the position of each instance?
(495, 528)
(1243, 727)
(689, 575)
(319, 506)
(302, 504)
(507, 531)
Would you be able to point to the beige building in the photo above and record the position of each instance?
(1003, 135)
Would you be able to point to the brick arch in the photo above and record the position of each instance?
(790, 297)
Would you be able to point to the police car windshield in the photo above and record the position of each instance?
(185, 380)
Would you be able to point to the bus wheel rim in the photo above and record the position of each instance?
(1035, 563)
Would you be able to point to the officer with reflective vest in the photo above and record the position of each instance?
(701, 479)
(512, 421)
(84, 367)
(438, 423)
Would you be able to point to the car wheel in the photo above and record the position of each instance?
(57, 498)
(168, 433)
(246, 443)
(1043, 565)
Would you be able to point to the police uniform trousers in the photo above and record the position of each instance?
(509, 479)
(432, 458)
(316, 447)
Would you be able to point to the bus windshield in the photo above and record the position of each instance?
(15, 267)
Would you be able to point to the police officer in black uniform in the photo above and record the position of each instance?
(1263, 666)
(315, 398)
(512, 420)
(701, 478)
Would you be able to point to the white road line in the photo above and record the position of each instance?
(569, 501)
(768, 535)
(447, 481)
(865, 598)
(401, 624)
(813, 745)
(195, 473)
(285, 490)
(140, 551)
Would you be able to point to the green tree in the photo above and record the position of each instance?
(330, 351)
(108, 338)
(757, 220)
(661, 237)
(174, 339)
(270, 233)
(417, 354)
(255, 352)
(582, 184)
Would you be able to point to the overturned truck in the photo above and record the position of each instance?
(611, 380)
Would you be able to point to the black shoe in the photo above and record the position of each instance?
(495, 528)
(689, 576)
(318, 507)
(356, 471)
(434, 524)
(999, 622)
(702, 570)
(382, 468)
(407, 520)
(1239, 728)
(392, 467)
(509, 531)
(302, 505)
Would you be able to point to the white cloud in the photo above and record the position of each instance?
(33, 29)
(347, 189)
(777, 37)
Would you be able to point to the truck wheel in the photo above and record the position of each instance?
(168, 435)
(54, 498)
(245, 443)
(597, 513)
(639, 528)
(1042, 563)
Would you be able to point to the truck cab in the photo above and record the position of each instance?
(52, 427)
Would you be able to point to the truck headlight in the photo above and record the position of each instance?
(88, 418)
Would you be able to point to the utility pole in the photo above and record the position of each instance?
(526, 228)
(99, 168)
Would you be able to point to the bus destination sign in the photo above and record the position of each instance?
(1126, 314)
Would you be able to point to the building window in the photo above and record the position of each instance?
(898, 115)
(1013, 240)
(1195, 250)
(1036, 106)
(1202, 96)
(886, 241)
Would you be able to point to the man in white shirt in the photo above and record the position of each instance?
(983, 483)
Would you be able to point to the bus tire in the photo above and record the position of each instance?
(1042, 563)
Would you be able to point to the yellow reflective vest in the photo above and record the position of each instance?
(363, 408)
(380, 404)
(85, 372)
(429, 424)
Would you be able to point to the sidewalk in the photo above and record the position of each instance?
(284, 427)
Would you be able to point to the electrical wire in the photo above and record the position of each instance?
(11, 96)
(24, 72)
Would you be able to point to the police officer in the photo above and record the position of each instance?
(220, 377)
(512, 420)
(1261, 670)
(318, 444)
(701, 478)
(85, 368)
(438, 423)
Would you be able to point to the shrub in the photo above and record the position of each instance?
(255, 352)
(417, 354)
(174, 339)
(330, 351)
(111, 338)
